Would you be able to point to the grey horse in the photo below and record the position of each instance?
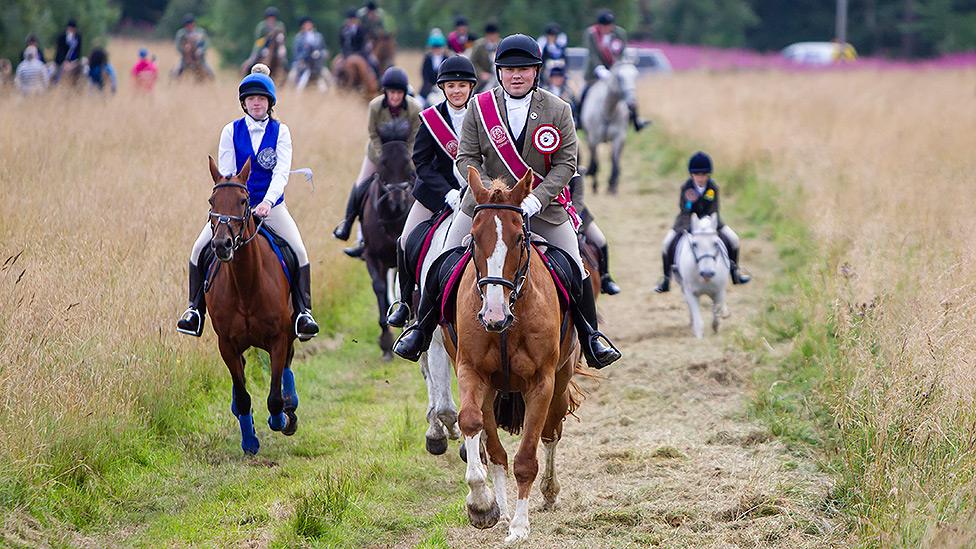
(605, 113)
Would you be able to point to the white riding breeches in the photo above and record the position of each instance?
(729, 234)
(562, 236)
(367, 169)
(595, 235)
(279, 220)
(418, 214)
(667, 240)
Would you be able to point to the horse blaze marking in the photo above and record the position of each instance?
(496, 267)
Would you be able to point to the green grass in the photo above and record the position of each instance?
(356, 473)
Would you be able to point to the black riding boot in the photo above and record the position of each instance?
(667, 260)
(398, 317)
(353, 205)
(635, 119)
(597, 354)
(607, 284)
(191, 323)
(737, 277)
(305, 326)
(415, 340)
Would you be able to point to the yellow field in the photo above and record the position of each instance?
(103, 197)
(879, 166)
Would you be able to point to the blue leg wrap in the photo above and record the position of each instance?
(277, 422)
(288, 392)
(249, 441)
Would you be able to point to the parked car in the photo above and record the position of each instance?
(819, 53)
(645, 59)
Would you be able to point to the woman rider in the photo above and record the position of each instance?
(392, 117)
(439, 182)
(267, 143)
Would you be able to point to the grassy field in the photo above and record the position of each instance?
(869, 171)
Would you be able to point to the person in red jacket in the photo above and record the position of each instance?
(145, 71)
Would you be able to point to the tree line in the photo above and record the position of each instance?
(893, 28)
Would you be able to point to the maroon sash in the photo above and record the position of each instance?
(442, 133)
(504, 145)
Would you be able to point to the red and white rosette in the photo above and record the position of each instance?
(547, 140)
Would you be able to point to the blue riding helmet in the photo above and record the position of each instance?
(436, 41)
(258, 84)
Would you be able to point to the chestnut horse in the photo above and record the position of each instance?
(248, 299)
(354, 73)
(515, 357)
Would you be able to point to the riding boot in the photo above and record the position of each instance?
(191, 323)
(415, 340)
(355, 251)
(607, 284)
(635, 119)
(305, 326)
(401, 314)
(737, 277)
(667, 259)
(353, 205)
(598, 355)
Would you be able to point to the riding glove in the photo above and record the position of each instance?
(531, 205)
(453, 199)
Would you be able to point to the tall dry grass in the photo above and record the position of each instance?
(879, 165)
(102, 199)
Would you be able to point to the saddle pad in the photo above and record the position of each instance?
(564, 271)
(420, 239)
(286, 258)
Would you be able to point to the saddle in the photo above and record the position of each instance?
(286, 258)
(419, 240)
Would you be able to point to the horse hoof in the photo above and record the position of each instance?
(278, 421)
(484, 519)
(436, 446)
(463, 453)
(387, 356)
(250, 446)
(292, 426)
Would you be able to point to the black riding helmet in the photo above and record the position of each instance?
(271, 12)
(518, 50)
(395, 78)
(700, 163)
(456, 68)
(605, 17)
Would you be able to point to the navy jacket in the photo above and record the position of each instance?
(435, 168)
(690, 203)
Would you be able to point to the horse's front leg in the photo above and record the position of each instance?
(594, 165)
(694, 310)
(240, 404)
(537, 400)
(618, 147)
(277, 418)
(436, 438)
(718, 308)
(482, 508)
(289, 393)
(442, 373)
(378, 274)
(497, 457)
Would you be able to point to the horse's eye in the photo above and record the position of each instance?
(694, 244)
(243, 201)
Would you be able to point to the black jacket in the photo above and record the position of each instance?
(429, 74)
(62, 53)
(352, 41)
(435, 168)
(689, 202)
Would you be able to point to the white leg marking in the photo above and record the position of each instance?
(548, 484)
(518, 530)
(479, 496)
(694, 308)
(499, 481)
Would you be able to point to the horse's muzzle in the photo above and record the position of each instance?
(707, 275)
(497, 326)
(223, 251)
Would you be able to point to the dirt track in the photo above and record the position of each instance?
(665, 453)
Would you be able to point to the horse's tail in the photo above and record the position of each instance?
(510, 411)
(576, 393)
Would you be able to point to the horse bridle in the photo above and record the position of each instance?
(694, 250)
(522, 273)
(237, 237)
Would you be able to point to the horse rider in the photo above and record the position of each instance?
(553, 45)
(68, 54)
(33, 41)
(438, 181)
(145, 71)
(264, 29)
(371, 17)
(606, 42)
(354, 41)
(699, 195)
(483, 53)
(393, 116)
(267, 143)
(459, 40)
(518, 62)
(558, 85)
(430, 67)
(594, 235)
(309, 45)
(189, 31)
(101, 73)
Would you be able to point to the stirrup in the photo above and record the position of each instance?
(304, 336)
(393, 308)
(409, 330)
(591, 343)
(189, 315)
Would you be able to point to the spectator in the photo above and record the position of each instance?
(145, 72)
(32, 77)
(100, 71)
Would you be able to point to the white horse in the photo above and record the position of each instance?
(605, 115)
(435, 365)
(702, 268)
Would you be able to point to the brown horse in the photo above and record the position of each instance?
(272, 52)
(384, 48)
(515, 357)
(354, 73)
(192, 59)
(385, 210)
(248, 299)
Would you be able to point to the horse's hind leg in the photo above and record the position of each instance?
(442, 373)
(436, 438)
(279, 352)
(552, 432)
(289, 394)
(593, 167)
(240, 404)
(378, 275)
(537, 401)
(618, 147)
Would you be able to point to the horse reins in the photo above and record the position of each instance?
(694, 250)
(238, 239)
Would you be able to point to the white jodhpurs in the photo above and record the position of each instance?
(595, 235)
(418, 214)
(367, 169)
(279, 220)
(666, 243)
(561, 236)
(730, 236)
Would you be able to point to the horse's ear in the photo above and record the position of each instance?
(214, 171)
(714, 216)
(694, 222)
(476, 186)
(245, 171)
